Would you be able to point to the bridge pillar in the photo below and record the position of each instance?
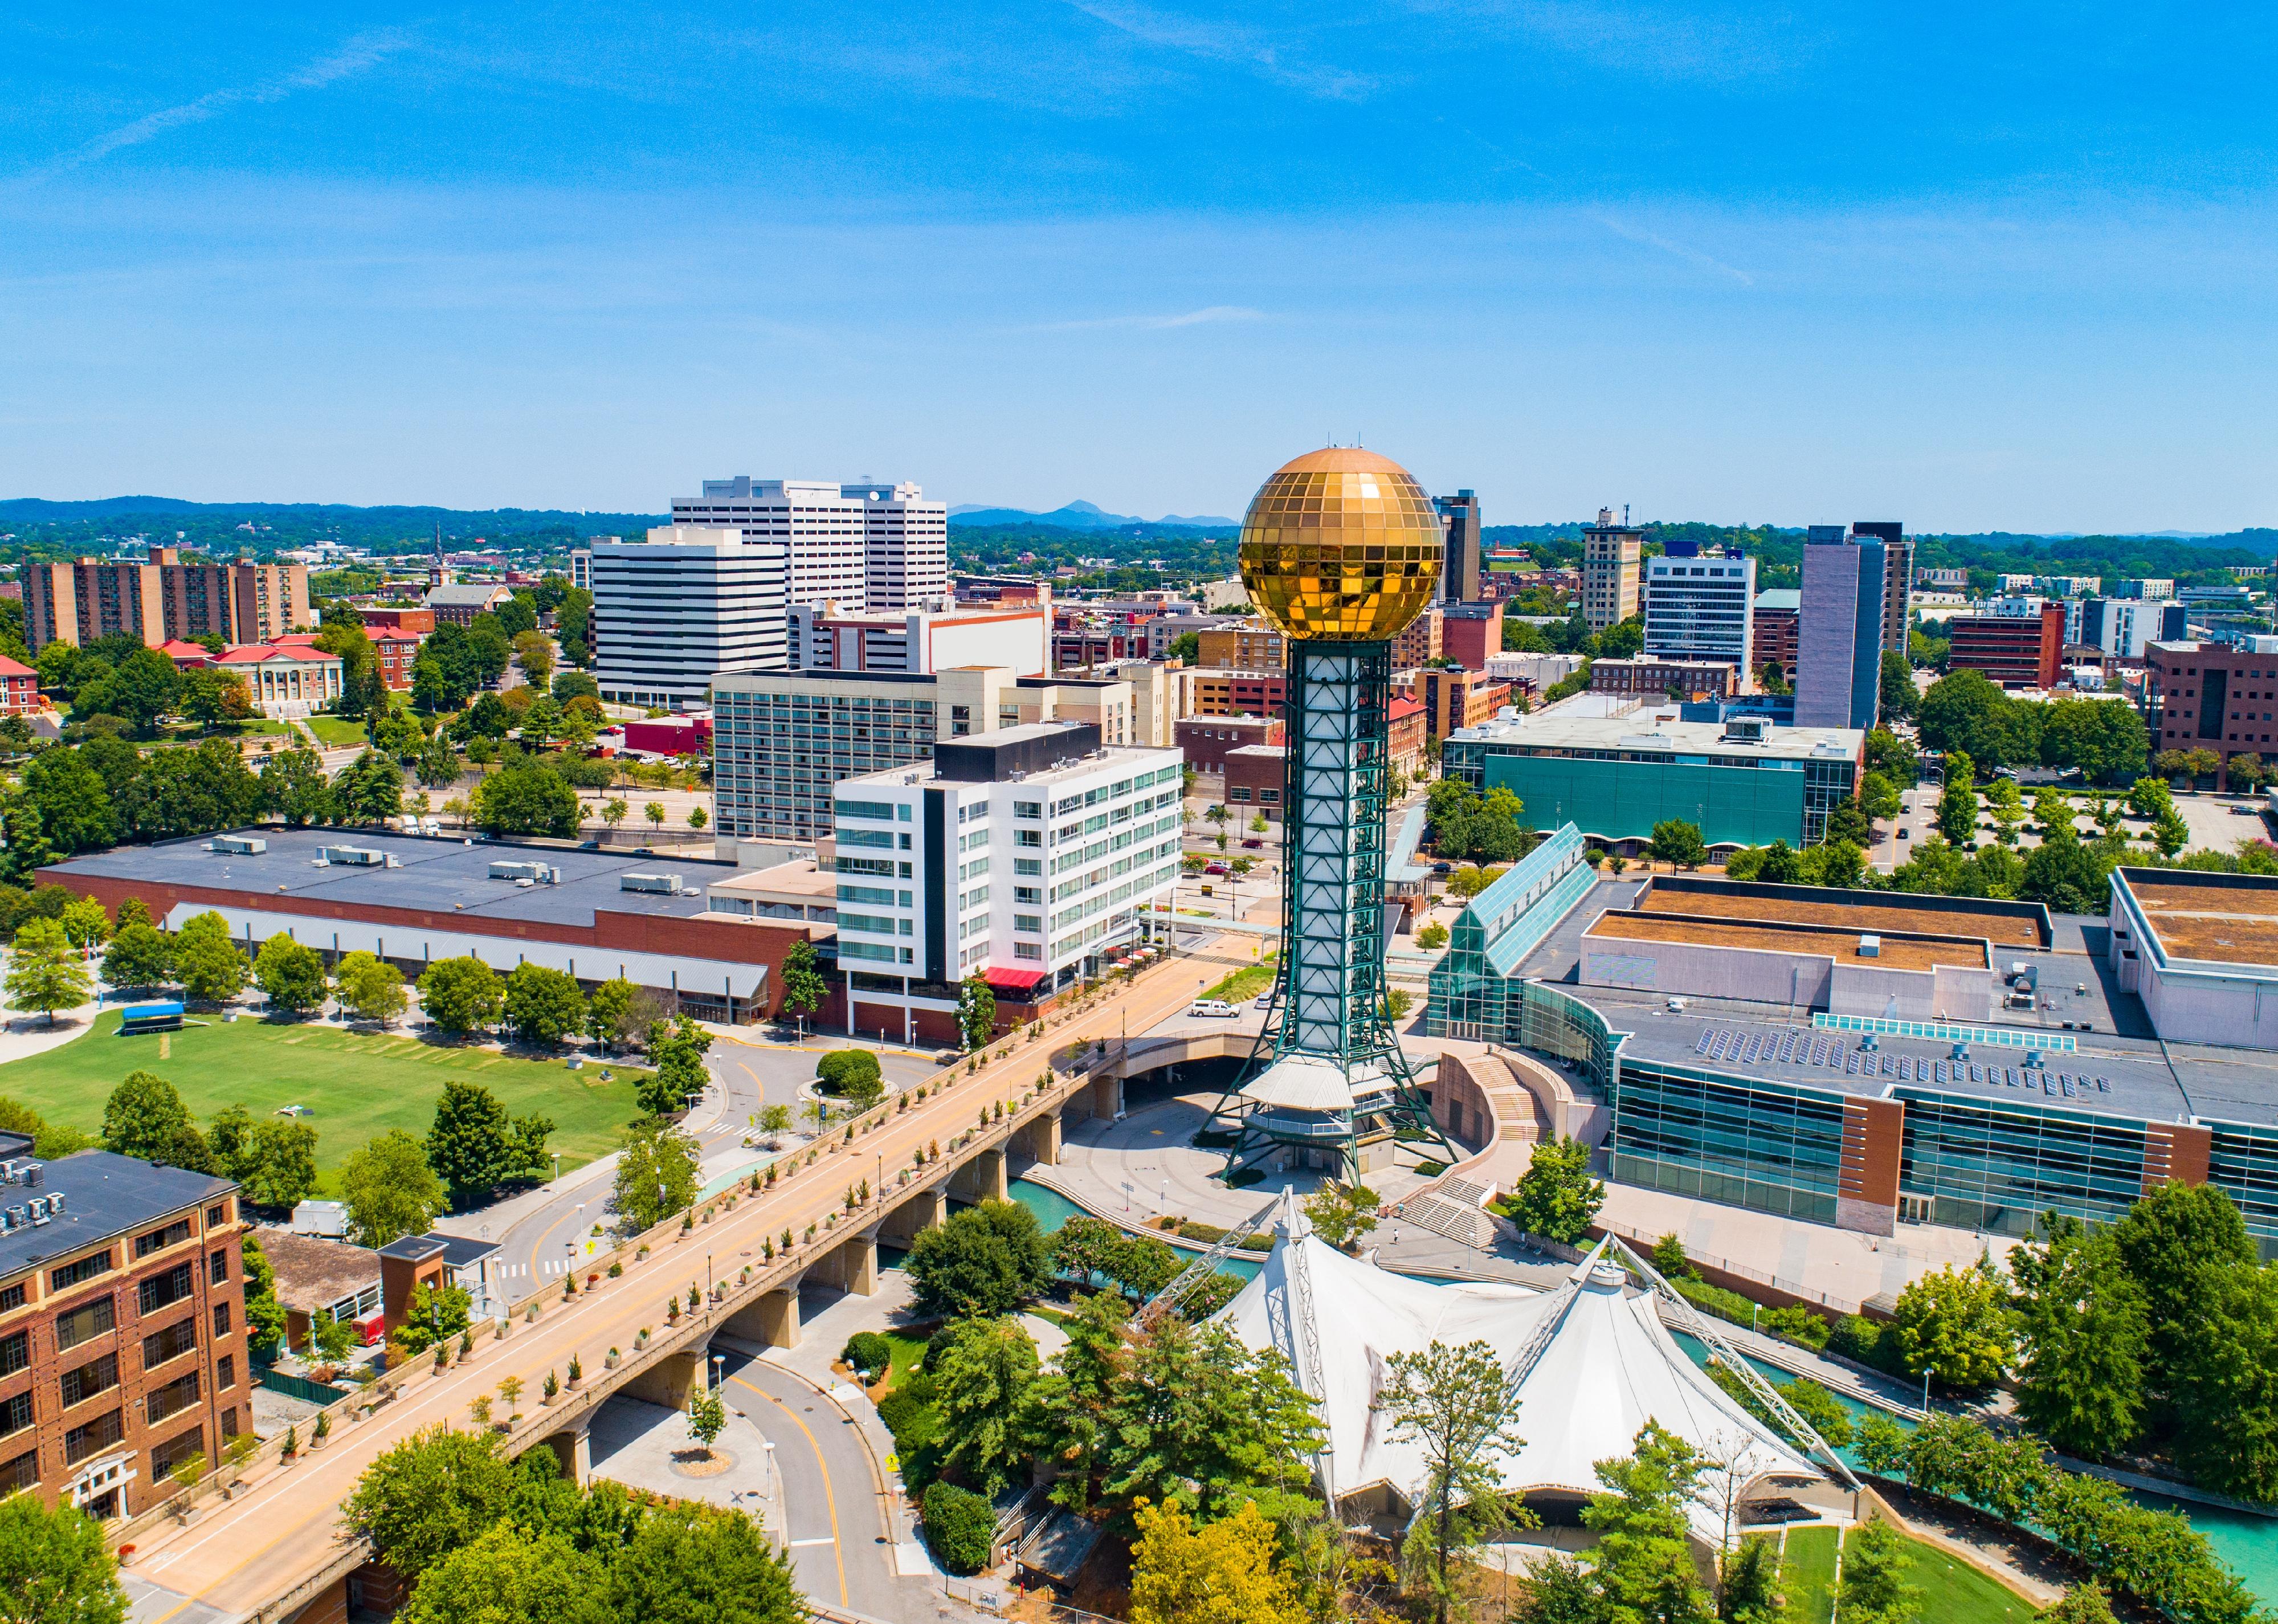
(668, 1380)
(852, 1266)
(772, 1321)
(982, 1178)
(916, 1215)
(329, 1605)
(573, 1447)
(1045, 1138)
(1106, 1098)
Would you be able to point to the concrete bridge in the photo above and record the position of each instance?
(269, 1551)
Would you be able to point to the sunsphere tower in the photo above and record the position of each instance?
(1340, 549)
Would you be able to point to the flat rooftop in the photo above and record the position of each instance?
(439, 875)
(2201, 917)
(1962, 921)
(1655, 728)
(105, 1196)
(1906, 952)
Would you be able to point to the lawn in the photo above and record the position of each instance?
(357, 1085)
(336, 730)
(1953, 1593)
(1243, 984)
(1809, 1576)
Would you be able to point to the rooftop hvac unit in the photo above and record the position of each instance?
(237, 846)
(15, 1218)
(355, 856)
(663, 884)
(529, 873)
(36, 1208)
(1870, 947)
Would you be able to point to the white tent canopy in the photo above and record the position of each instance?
(1604, 1367)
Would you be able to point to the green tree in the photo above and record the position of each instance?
(1878, 797)
(982, 1382)
(2149, 797)
(72, 801)
(145, 687)
(1967, 711)
(436, 1314)
(1955, 1327)
(1432, 937)
(265, 1315)
(206, 963)
(45, 972)
(1957, 803)
(1677, 843)
(369, 789)
(509, 1575)
(139, 956)
(143, 1116)
(976, 1013)
(688, 1564)
(470, 1145)
(390, 1189)
(54, 1566)
(1747, 1581)
(278, 1163)
(1847, 825)
(1451, 1402)
(1195, 1419)
(2082, 1325)
(2083, 1604)
(1643, 1564)
(2177, 1243)
(1898, 696)
(2225, 1387)
(1556, 1197)
(543, 1006)
(369, 987)
(1873, 1589)
(852, 1075)
(2005, 804)
(1342, 1214)
(293, 786)
(438, 766)
(2170, 833)
(608, 1010)
(429, 1495)
(292, 976)
(986, 1259)
(676, 1048)
(656, 1175)
(2068, 876)
(804, 989)
(85, 924)
(961, 1527)
(1892, 756)
(527, 797)
(461, 995)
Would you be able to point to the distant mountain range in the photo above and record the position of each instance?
(1080, 515)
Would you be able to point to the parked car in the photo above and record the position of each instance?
(1254, 841)
(2244, 811)
(1210, 1007)
(1443, 868)
(949, 1057)
(1217, 868)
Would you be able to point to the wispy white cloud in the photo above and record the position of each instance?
(363, 53)
(1209, 314)
(1638, 234)
(1227, 43)
(1710, 40)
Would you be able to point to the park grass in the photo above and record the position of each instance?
(1243, 984)
(1953, 1593)
(357, 1084)
(1808, 1575)
(335, 730)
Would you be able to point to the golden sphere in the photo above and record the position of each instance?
(1341, 546)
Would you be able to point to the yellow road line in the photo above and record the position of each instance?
(829, 1498)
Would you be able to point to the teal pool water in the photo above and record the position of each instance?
(1053, 1209)
(2247, 1545)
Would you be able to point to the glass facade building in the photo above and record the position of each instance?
(1747, 1142)
(778, 747)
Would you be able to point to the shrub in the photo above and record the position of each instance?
(1867, 1341)
(868, 1352)
(958, 1526)
(1797, 1322)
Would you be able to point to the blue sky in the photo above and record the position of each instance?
(1969, 266)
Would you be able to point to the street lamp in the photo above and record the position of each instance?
(717, 1360)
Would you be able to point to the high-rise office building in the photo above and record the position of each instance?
(1702, 608)
(1899, 571)
(690, 602)
(1459, 523)
(1610, 553)
(879, 546)
(1839, 630)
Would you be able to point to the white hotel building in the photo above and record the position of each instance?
(1701, 609)
(1020, 856)
(877, 546)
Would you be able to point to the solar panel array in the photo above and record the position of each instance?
(1725, 1047)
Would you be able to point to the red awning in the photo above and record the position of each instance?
(1015, 980)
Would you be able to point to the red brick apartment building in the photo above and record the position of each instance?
(2206, 696)
(1453, 699)
(122, 1327)
(2017, 651)
(1207, 739)
(20, 688)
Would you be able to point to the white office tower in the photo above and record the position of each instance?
(1700, 608)
(685, 605)
(877, 547)
(905, 545)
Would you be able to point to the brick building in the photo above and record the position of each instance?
(162, 598)
(20, 688)
(1251, 646)
(1207, 739)
(1403, 729)
(398, 650)
(1255, 775)
(418, 621)
(1648, 678)
(2207, 696)
(1471, 632)
(2017, 651)
(122, 1327)
(1420, 643)
(1453, 699)
(1772, 639)
(1213, 692)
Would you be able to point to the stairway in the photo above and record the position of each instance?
(1465, 1225)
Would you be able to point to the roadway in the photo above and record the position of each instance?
(280, 1531)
